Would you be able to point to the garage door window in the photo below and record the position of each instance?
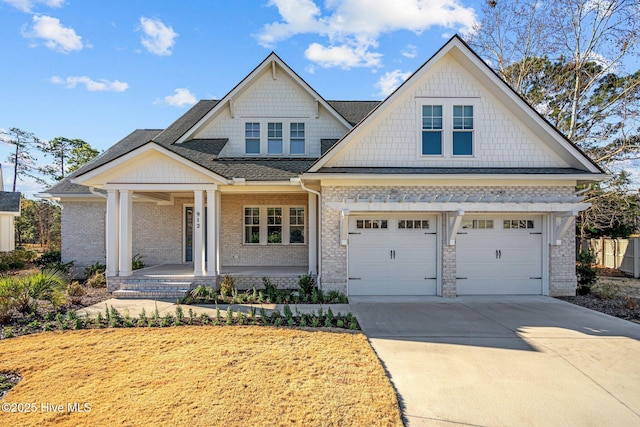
(513, 224)
(477, 224)
(408, 224)
(371, 223)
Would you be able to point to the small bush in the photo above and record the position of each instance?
(586, 272)
(96, 280)
(75, 291)
(49, 258)
(93, 269)
(136, 262)
(228, 285)
(307, 284)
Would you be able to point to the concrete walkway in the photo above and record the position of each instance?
(505, 361)
(135, 306)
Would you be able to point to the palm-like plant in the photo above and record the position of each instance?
(45, 285)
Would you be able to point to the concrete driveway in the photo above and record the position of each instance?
(505, 361)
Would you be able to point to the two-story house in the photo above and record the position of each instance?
(452, 185)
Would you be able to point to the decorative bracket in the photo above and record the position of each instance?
(232, 109)
(344, 227)
(561, 223)
(454, 221)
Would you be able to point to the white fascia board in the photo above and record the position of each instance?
(82, 179)
(533, 207)
(470, 177)
(264, 66)
(160, 187)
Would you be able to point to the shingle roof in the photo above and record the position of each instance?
(326, 144)
(450, 171)
(354, 111)
(9, 201)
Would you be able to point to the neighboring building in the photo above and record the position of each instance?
(9, 209)
(452, 185)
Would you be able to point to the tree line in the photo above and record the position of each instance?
(39, 222)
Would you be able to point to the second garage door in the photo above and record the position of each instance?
(392, 255)
(499, 255)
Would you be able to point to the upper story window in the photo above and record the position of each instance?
(447, 127)
(274, 138)
(463, 130)
(432, 130)
(284, 138)
(252, 138)
(296, 138)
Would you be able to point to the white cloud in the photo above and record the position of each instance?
(355, 25)
(410, 51)
(27, 5)
(180, 98)
(390, 81)
(55, 35)
(342, 56)
(102, 85)
(158, 38)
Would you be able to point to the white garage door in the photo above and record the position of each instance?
(499, 255)
(392, 255)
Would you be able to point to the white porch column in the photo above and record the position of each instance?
(111, 237)
(125, 240)
(212, 233)
(312, 229)
(198, 233)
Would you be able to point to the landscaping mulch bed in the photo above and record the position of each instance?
(624, 307)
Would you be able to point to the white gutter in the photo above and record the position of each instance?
(319, 227)
(94, 192)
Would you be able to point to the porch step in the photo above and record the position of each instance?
(150, 293)
(152, 289)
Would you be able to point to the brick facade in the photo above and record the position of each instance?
(562, 278)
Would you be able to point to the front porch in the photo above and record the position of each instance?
(173, 281)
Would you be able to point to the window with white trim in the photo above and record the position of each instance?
(252, 138)
(274, 225)
(447, 127)
(432, 130)
(251, 225)
(296, 138)
(462, 130)
(274, 138)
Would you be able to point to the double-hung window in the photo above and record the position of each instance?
(296, 138)
(274, 138)
(432, 130)
(252, 138)
(252, 225)
(463, 130)
(447, 126)
(274, 225)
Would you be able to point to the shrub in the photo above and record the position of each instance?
(136, 262)
(49, 258)
(92, 269)
(270, 289)
(26, 291)
(228, 285)
(307, 284)
(75, 291)
(586, 272)
(97, 280)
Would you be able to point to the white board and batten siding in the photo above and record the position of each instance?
(392, 254)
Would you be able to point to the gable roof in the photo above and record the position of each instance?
(476, 66)
(272, 60)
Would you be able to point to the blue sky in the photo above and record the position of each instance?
(97, 70)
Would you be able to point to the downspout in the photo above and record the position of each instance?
(319, 227)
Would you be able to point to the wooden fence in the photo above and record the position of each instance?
(623, 254)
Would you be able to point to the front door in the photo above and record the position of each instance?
(188, 234)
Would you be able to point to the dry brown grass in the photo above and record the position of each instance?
(199, 376)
